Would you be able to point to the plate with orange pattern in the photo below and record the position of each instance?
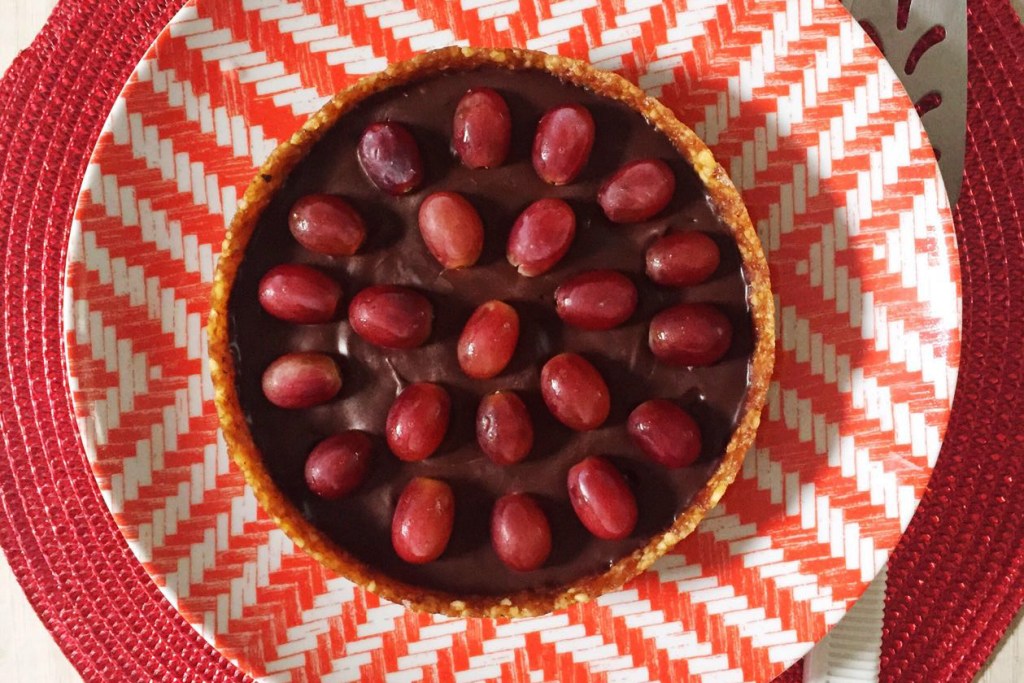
(840, 181)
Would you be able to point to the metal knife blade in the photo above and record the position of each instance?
(940, 70)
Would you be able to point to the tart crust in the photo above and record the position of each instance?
(726, 201)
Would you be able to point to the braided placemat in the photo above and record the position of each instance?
(954, 582)
(955, 579)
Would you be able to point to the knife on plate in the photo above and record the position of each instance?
(925, 42)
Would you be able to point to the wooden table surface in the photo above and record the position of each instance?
(28, 653)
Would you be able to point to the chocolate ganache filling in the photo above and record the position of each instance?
(394, 253)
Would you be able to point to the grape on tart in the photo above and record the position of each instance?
(490, 333)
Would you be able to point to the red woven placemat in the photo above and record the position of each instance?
(953, 583)
(955, 580)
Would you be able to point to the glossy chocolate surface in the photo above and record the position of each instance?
(394, 253)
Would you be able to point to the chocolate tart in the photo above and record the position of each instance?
(351, 535)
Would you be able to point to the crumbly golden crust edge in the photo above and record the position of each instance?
(273, 173)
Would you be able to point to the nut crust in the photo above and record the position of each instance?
(271, 176)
